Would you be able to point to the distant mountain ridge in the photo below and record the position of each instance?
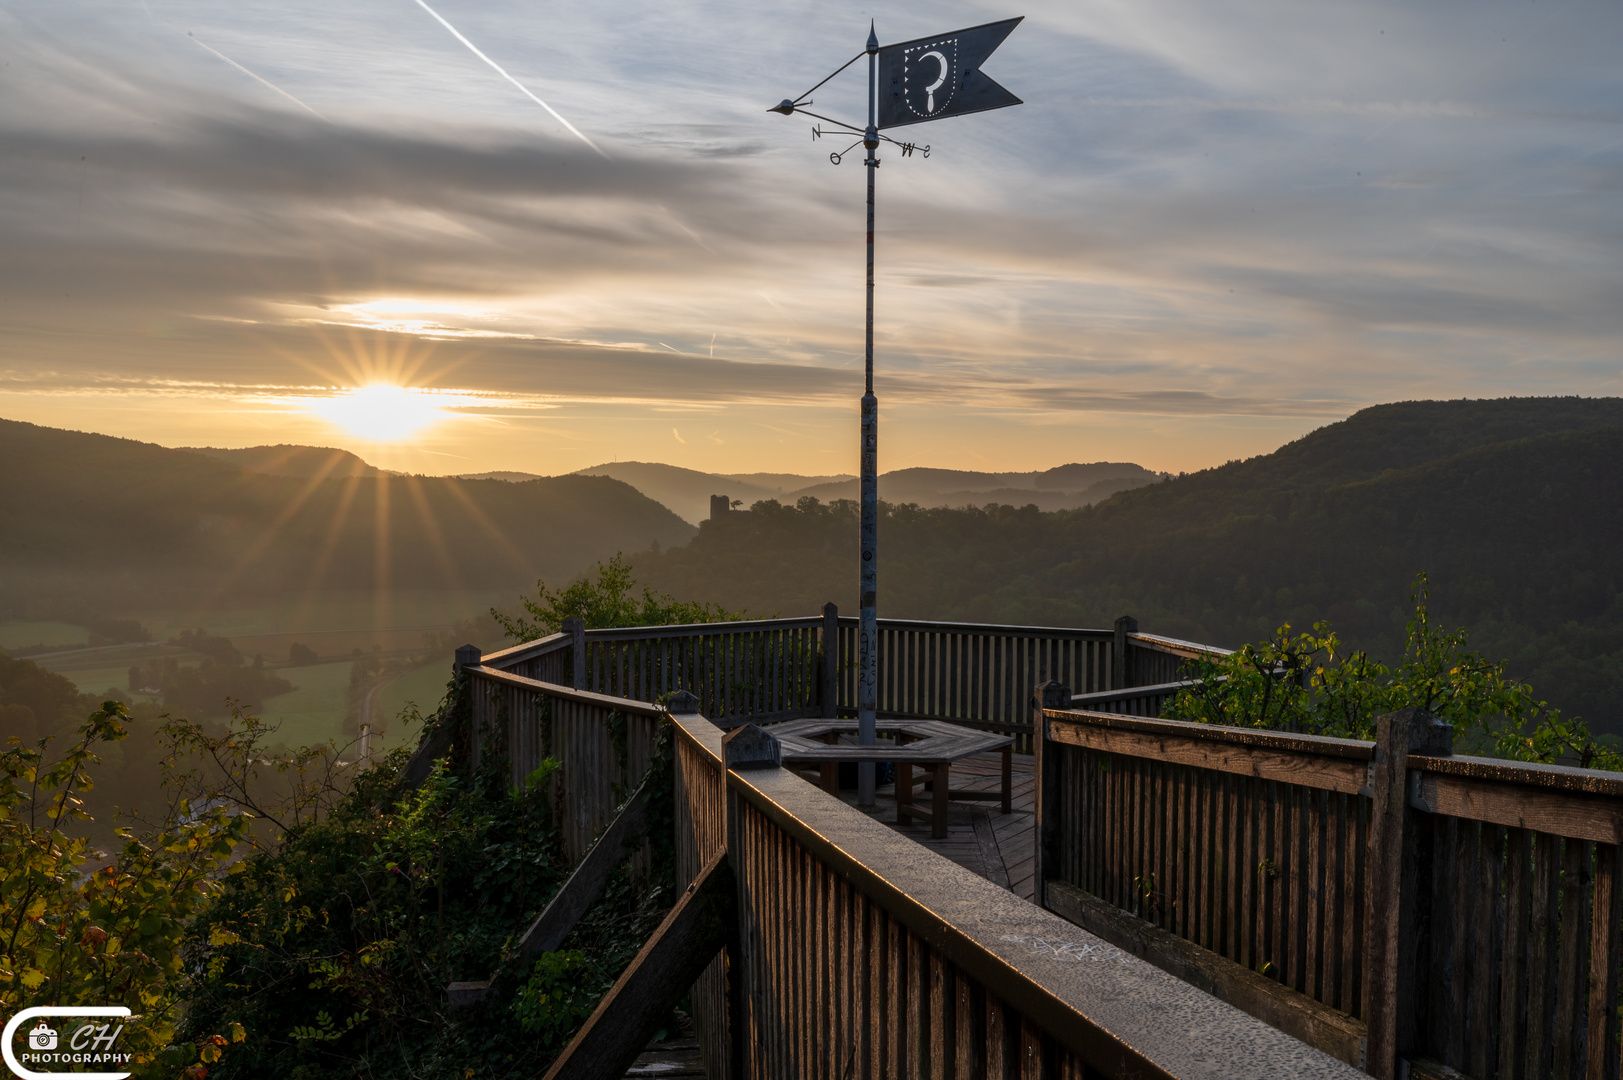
(122, 521)
(688, 491)
(286, 459)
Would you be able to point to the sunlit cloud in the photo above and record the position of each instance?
(418, 318)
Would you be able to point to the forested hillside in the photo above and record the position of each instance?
(288, 460)
(88, 516)
(1514, 507)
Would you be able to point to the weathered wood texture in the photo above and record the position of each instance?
(1318, 1025)
(570, 902)
(974, 675)
(1256, 846)
(690, 935)
(603, 744)
(701, 834)
(865, 956)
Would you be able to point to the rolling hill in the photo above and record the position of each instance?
(288, 460)
(123, 522)
(1514, 507)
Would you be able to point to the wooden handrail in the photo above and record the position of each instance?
(1192, 650)
(629, 706)
(1136, 736)
(1067, 633)
(529, 650)
(1130, 693)
(678, 630)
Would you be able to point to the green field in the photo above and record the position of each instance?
(93, 671)
(333, 611)
(313, 712)
(423, 686)
(19, 634)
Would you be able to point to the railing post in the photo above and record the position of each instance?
(682, 703)
(1397, 922)
(831, 661)
(1121, 674)
(743, 748)
(472, 734)
(575, 627)
(1048, 695)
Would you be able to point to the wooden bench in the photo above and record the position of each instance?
(931, 745)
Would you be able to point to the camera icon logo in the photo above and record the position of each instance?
(92, 1043)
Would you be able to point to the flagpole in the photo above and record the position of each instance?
(953, 61)
(868, 628)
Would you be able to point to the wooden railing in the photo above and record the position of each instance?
(861, 954)
(1132, 700)
(1385, 901)
(603, 744)
(776, 669)
(973, 674)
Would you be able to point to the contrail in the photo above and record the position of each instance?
(526, 91)
(263, 82)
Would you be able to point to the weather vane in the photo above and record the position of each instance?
(929, 78)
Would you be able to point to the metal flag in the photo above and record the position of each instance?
(940, 76)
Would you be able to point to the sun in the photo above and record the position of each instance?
(380, 412)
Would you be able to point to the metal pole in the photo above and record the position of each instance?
(868, 631)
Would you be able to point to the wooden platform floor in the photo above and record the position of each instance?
(995, 845)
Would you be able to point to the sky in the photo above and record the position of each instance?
(1213, 226)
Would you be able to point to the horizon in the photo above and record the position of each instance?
(1207, 232)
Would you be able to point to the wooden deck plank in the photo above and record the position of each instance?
(1011, 841)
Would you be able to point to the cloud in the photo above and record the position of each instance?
(1247, 209)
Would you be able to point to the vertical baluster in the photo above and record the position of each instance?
(1460, 938)
(1268, 891)
(1572, 975)
(1488, 921)
(1181, 894)
(1540, 954)
(918, 991)
(1331, 814)
(1200, 863)
(1313, 983)
(969, 1011)
(1167, 836)
(899, 1004)
(1602, 1037)
(1228, 845)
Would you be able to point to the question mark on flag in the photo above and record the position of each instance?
(929, 103)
